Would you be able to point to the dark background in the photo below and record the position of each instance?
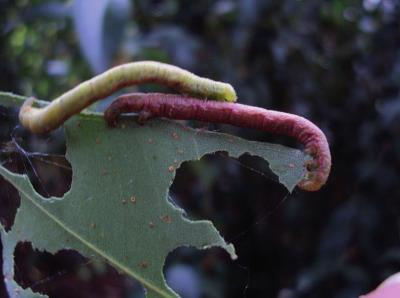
(335, 62)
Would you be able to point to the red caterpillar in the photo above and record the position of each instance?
(184, 108)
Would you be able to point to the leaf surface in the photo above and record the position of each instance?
(117, 208)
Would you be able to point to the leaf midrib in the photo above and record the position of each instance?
(80, 238)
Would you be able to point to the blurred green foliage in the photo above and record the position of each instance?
(31, 43)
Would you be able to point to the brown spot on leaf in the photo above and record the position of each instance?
(93, 225)
(175, 136)
(166, 218)
(144, 264)
(151, 225)
(180, 151)
(98, 140)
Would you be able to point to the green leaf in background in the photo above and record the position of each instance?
(117, 208)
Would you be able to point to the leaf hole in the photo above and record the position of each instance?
(68, 274)
(247, 205)
(188, 269)
(219, 187)
(9, 202)
(41, 157)
(3, 292)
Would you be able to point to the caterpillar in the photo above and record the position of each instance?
(184, 108)
(42, 120)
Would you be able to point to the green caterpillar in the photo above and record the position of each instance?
(42, 120)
